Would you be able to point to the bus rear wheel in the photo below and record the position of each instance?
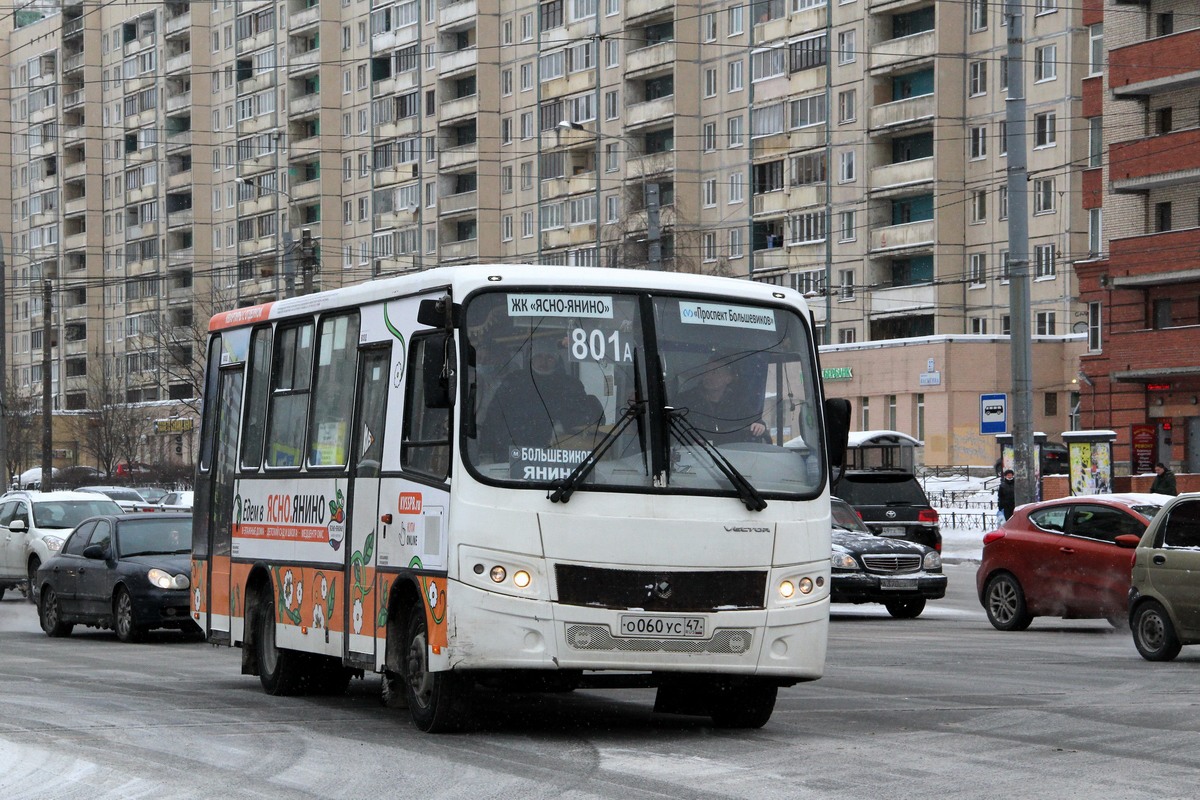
(439, 702)
(280, 671)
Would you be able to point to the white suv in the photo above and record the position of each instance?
(34, 525)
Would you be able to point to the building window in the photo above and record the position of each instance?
(1095, 232)
(1047, 6)
(1163, 120)
(710, 136)
(847, 335)
(847, 48)
(736, 246)
(709, 27)
(919, 401)
(865, 405)
(710, 83)
(848, 230)
(737, 187)
(1096, 48)
(846, 284)
(1045, 129)
(979, 326)
(1005, 325)
(1165, 23)
(1094, 339)
(979, 136)
(977, 78)
(977, 269)
(846, 167)
(1045, 63)
(1162, 217)
(846, 104)
(736, 79)
(734, 131)
(1045, 323)
(979, 21)
(979, 205)
(1002, 195)
(710, 192)
(1043, 260)
(1160, 310)
(737, 23)
(1050, 404)
(1095, 141)
(1002, 137)
(1043, 196)
(709, 245)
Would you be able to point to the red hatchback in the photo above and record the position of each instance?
(1069, 558)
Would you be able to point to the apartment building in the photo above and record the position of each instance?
(171, 159)
(1141, 288)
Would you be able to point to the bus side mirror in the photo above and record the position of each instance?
(837, 429)
(438, 368)
(440, 313)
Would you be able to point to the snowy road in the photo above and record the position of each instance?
(938, 706)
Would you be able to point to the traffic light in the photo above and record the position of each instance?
(178, 444)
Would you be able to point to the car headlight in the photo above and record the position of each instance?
(841, 559)
(53, 543)
(933, 560)
(165, 580)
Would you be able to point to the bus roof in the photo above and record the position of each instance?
(462, 280)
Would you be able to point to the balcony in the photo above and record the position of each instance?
(458, 61)
(306, 190)
(458, 109)
(72, 27)
(179, 63)
(648, 59)
(907, 235)
(458, 251)
(184, 216)
(454, 157)
(298, 20)
(72, 63)
(649, 112)
(903, 112)
(179, 139)
(73, 99)
(889, 301)
(77, 170)
(906, 48)
(179, 101)
(458, 203)
(1166, 160)
(1141, 259)
(1164, 64)
(902, 174)
(454, 13)
(640, 8)
(304, 104)
(771, 203)
(179, 22)
(303, 61)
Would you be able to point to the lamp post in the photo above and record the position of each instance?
(283, 243)
(649, 195)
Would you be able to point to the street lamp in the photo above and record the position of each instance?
(649, 194)
(289, 277)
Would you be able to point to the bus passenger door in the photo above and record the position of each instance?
(221, 501)
(362, 608)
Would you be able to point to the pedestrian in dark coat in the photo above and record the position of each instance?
(1164, 480)
(1006, 496)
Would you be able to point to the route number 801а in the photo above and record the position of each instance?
(594, 345)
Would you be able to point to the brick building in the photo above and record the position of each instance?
(1141, 281)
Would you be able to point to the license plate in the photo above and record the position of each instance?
(897, 583)
(642, 625)
(893, 530)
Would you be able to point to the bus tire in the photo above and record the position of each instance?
(744, 705)
(392, 692)
(439, 702)
(281, 671)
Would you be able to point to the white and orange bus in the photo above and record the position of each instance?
(520, 476)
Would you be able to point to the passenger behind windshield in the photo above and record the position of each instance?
(538, 404)
(717, 405)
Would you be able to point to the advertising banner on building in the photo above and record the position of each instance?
(1144, 440)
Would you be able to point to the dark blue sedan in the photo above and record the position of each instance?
(126, 572)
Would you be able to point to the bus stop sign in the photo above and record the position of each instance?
(993, 413)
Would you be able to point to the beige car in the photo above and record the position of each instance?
(1164, 598)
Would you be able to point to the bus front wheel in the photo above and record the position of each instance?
(437, 701)
(743, 705)
(281, 671)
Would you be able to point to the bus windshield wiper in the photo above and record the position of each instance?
(688, 435)
(567, 486)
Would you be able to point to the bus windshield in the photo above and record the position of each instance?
(672, 393)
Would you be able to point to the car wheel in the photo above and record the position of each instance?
(126, 627)
(50, 614)
(35, 563)
(744, 706)
(439, 702)
(1153, 634)
(280, 671)
(1005, 604)
(905, 609)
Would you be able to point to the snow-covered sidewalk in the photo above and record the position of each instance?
(967, 510)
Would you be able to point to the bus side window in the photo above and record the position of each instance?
(290, 377)
(425, 447)
(258, 377)
(329, 434)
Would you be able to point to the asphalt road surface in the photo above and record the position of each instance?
(939, 706)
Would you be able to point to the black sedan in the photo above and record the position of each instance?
(126, 572)
(873, 569)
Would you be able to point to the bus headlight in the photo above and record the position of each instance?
(787, 589)
(506, 573)
(521, 579)
(498, 574)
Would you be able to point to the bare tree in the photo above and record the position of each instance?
(22, 421)
(111, 430)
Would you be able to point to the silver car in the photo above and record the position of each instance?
(1164, 595)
